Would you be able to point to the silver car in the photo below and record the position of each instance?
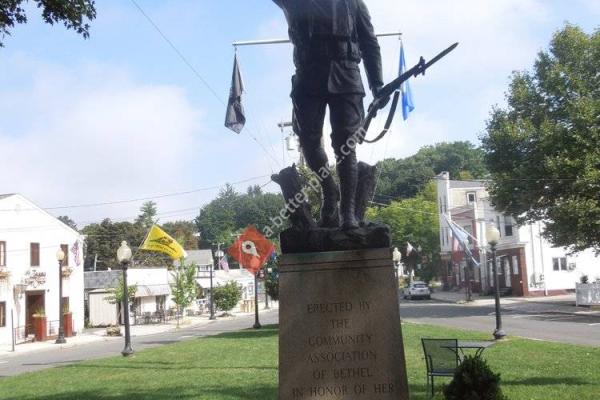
(417, 289)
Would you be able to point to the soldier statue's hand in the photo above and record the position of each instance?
(382, 101)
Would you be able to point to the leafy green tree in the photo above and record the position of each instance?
(414, 220)
(147, 216)
(103, 239)
(184, 287)
(227, 296)
(543, 149)
(117, 295)
(183, 232)
(405, 178)
(68, 221)
(232, 212)
(74, 14)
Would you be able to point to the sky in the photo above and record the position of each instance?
(136, 111)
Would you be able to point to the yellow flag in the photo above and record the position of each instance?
(159, 240)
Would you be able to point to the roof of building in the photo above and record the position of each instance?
(467, 184)
(200, 257)
(3, 196)
(101, 279)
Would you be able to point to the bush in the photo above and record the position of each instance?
(474, 380)
(584, 279)
(227, 296)
(272, 285)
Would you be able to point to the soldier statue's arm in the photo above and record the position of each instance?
(369, 47)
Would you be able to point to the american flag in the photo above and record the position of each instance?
(75, 252)
(223, 264)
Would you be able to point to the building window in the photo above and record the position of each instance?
(471, 198)
(65, 249)
(2, 314)
(34, 254)
(2, 254)
(559, 263)
(508, 225)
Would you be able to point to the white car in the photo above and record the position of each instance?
(417, 289)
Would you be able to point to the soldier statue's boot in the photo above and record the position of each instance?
(330, 214)
(348, 173)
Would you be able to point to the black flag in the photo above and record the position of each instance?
(235, 118)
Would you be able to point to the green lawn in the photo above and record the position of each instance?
(243, 366)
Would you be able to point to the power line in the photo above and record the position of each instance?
(195, 72)
(160, 196)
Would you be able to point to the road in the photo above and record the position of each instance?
(527, 319)
(28, 362)
(542, 321)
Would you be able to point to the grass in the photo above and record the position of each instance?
(243, 366)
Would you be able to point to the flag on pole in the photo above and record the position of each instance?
(461, 237)
(159, 240)
(223, 264)
(409, 248)
(75, 252)
(407, 100)
(235, 117)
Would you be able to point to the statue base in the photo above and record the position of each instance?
(339, 327)
(370, 236)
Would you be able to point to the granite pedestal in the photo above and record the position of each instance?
(339, 321)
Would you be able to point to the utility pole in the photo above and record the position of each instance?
(219, 255)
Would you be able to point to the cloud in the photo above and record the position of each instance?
(94, 134)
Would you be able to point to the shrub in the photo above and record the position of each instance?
(584, 279)
(227, 296)
(474, 380)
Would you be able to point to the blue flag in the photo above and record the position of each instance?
(407, 100)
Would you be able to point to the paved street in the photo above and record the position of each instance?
(27, 362)
(535, 320)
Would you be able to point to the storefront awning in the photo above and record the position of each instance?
(152, 290)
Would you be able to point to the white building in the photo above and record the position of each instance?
(29, 270)
(152, 296)
(527, 264)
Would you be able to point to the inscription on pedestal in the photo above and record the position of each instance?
(340, 332)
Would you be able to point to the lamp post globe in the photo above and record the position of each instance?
(60, 257)
(493, 237)
(124, 257)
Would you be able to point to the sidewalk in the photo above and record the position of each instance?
(561, 303)
(94, 335)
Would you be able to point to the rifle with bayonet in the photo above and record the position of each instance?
(393, 88)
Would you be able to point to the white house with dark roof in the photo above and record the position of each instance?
(29, 270)
(528, 265)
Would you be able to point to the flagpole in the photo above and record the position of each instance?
(283, 41)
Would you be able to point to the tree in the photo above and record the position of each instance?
(405, 178)
(414, 220)
(183, 232)
(184, 288)
(74, 14)
(231, 212)
(68, 221)
(147, 215)
(227, 296)
(117, 295)
(543, 149)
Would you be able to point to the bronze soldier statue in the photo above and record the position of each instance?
(330, 39)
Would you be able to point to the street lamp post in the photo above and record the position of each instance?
(219, 255)
(124, 258)
(257, 324)
(493, 236)
(60, 256)
(266, 274)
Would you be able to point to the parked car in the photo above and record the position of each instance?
(417, 289)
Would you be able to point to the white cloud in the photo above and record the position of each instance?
(93, 134)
